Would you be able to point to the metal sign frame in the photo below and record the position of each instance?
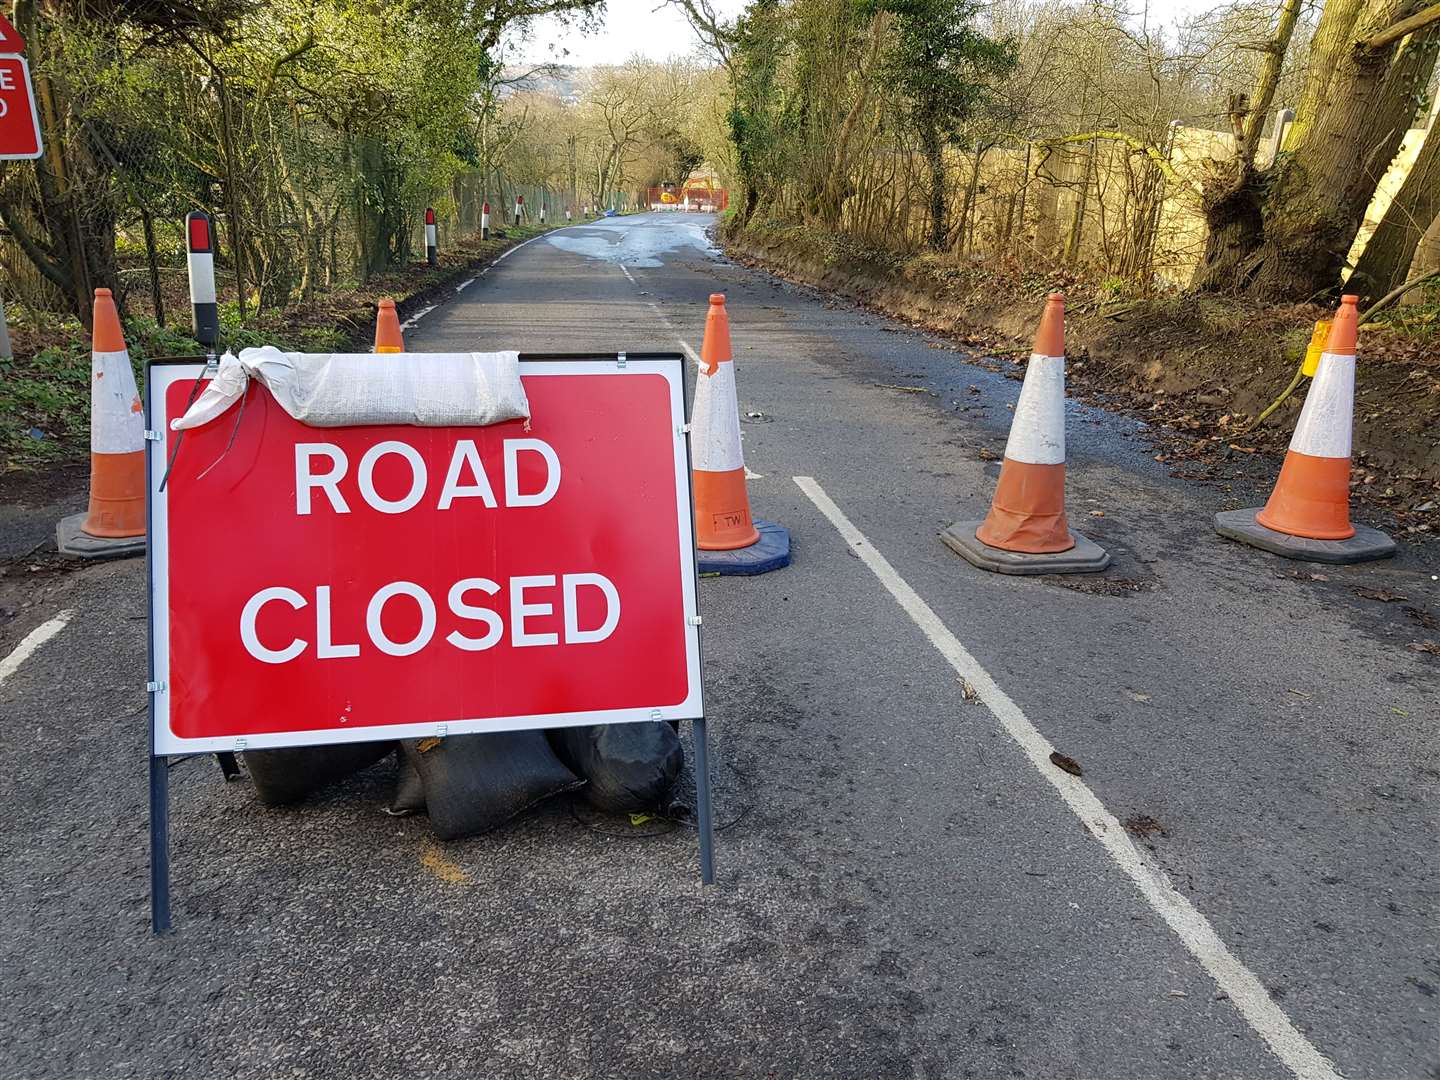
(160, 375)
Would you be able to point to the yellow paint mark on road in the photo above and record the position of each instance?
(442, 866)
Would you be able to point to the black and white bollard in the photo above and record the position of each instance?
(519, 209)
(567, 215)
(542, 213)
(200, 261)
(485, 221)
(432, 250)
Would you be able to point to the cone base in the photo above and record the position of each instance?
(72, 540)
(1084, 556)
(770, 552)
(1366, 545)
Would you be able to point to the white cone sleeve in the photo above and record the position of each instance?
(1037, 434)
(715, 422)
(1329, 412)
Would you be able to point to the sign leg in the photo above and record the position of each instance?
(159, 844)
(702, 805)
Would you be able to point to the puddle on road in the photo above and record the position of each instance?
(638, 245)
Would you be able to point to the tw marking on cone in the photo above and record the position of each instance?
(1026, 531)
(730, 542)
(114, 525)
(1308, 513)
(388, 338)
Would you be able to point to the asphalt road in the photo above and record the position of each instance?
(904, 891)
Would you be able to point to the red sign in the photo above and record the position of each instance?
(10, 39)
(316, 585)
(19, 122)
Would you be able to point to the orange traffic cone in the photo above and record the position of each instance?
(1308, 513)
(115, 522)
(387, 328)
(1026, 531)
(729, 541)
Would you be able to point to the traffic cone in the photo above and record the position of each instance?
(1308, 513)
(729, 541)
(387, 328)
(1026, 531)
(114, 525)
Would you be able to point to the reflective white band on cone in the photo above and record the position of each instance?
(117, 419)
(715, 426)
(1037, 434)
(1324, 429)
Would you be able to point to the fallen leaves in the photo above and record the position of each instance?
(1066, 763)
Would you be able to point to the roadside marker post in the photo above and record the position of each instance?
(547, 579)
(542, 213)
(519, 208)
(485, 221)
(432, 249)
(200, 264)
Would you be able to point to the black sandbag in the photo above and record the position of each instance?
(409, 797)
(475, 783)
(289, 774)
(629, 767)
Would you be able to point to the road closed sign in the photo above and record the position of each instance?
(318, 585)
(19, 122)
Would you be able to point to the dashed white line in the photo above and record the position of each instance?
(32, 641)
(409, 323)
(1245, 990)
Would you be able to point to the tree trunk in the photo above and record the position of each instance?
(1268, 78)
(1386, 257)
(932, 147)
(1427, 261)
(1334, 37)
(1318, 199)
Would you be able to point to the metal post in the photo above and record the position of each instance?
(159, 844)
(702, 805)
(1283, 119)
(6, 353)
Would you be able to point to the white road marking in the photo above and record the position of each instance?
(32, 641)
(464, 284)
(629, 275)
(1247, 993)
(410, 322)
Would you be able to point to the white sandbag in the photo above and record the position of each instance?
(347, 389)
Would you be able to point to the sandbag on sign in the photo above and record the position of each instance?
(290, 773)
(345, 389)
(629, 766)
(475, 783)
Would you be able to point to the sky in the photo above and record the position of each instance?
(658, 31)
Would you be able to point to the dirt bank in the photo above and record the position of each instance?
(1201, 367)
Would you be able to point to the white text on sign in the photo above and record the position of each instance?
(320, 471)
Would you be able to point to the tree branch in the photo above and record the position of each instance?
(1395, 31)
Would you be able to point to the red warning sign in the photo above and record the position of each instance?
(320, 585)
(10, 39)
(19, 122)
